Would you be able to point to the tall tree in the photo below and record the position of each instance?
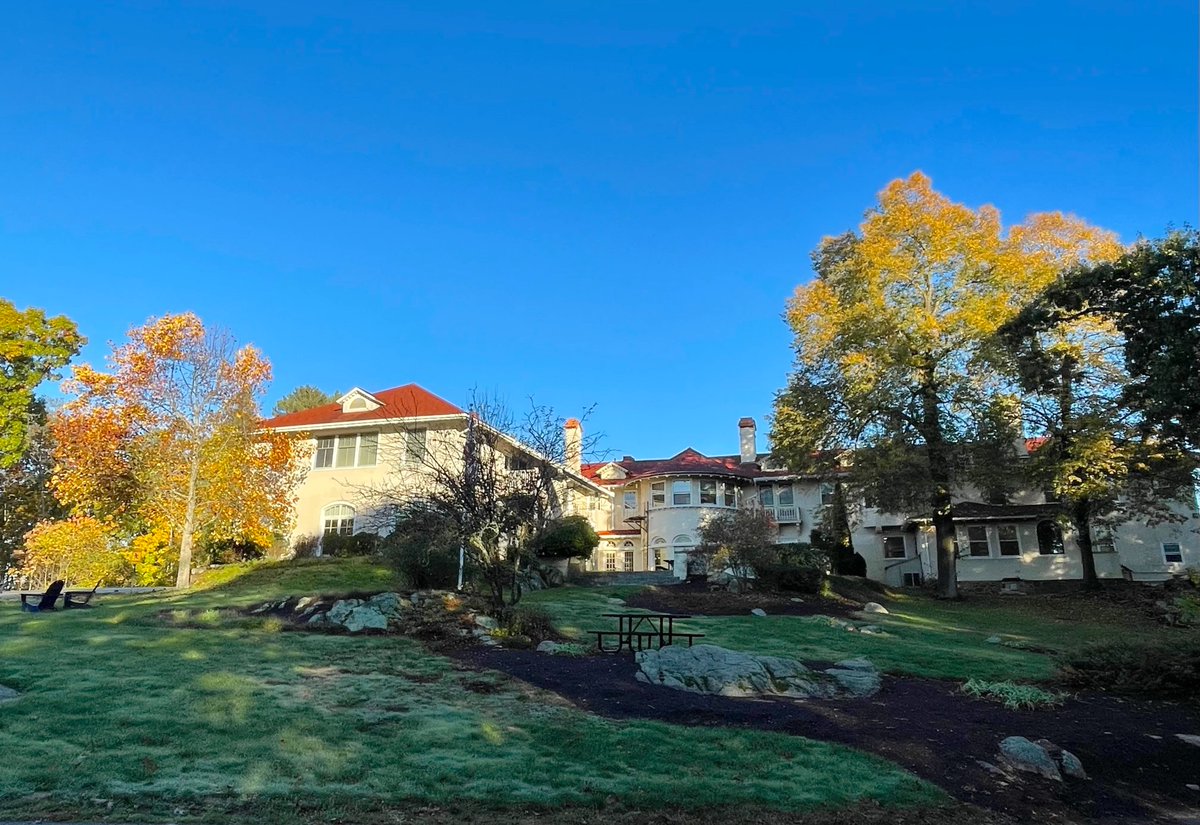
(32, 348)
(25, 497)
(304, 397)
(168, 437)
(889, 341)
(1067, 358)
(1152, 296)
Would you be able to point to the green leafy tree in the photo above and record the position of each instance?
(889, 341)
(741, 541)
(303, 398)
(565, 538)
(32, 348)
(1152, 296)
(25, 497)
(1069, 364)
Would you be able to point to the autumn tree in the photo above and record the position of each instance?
(889, 340)
(1067, 357)
(25, 497)
(168, 438)
(79, 550)
(304, 397)
(32, 348)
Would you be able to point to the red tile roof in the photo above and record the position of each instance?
(688, 462)
(409, 401)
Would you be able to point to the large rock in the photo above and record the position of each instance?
(7, 694)
(365, 617)
(1024, 755)
(715, 670)
(391, 605)
(758, 611)
(874, 607)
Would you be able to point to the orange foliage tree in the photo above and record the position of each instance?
(167, 437)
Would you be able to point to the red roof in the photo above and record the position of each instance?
(409, 401)
(688, 462)
(1032, 444)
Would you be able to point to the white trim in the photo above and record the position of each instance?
(355, 393)
(1163, 546)
(375, 422)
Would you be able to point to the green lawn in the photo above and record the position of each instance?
(925, 637)
(125, 718)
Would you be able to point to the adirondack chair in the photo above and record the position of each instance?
(73, 599)
(47, 599)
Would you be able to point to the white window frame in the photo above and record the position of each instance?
(729, 494)
(610, 561)
(828, 493)
(1178, 552)
(712, 492)
(987, 539)
(681, 488)
(627, 493)
(339, 528)
(658, 494)
(351, 442)
(785, 490)
(1000, 547)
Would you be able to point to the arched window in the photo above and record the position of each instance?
(1050, 539)
(658, 553)
(337, 520)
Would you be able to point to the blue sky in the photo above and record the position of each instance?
(583, 202)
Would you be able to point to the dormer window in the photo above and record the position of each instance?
(359, 401)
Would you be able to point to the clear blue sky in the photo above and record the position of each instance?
(584, 202)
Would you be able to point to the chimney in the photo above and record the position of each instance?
(747, 443)
(572, 444)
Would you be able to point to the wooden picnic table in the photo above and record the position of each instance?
(659, 626)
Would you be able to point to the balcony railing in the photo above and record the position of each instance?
(785, 515)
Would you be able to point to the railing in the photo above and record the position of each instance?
(785, 515)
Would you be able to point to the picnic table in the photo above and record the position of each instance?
(642, 629)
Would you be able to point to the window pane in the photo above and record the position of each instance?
(785, 497)
(658, 492)
(1050, 541)
(1010, 545)
(414, 446)
(978, 541)
(681, 492)
(893, 547)
(708, 492)
(631, 499)
(345, 451)
(368, 449)
(628, 561)
(1172, 552)
(827, 494)
(730, 495)
(324, 457)
(766, 497)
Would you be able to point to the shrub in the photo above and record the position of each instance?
(565, 538)
(1139, 669)
(306, 547)
(528, 621)
(359, 544)
(80, 550)
(424, 549)
(1188, 610)
(1013, 695)
(801, 568)
(229, 551)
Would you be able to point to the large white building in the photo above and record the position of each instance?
(659, 505)
(648, 511)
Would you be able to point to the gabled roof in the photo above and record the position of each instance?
(688, 462)
(409, 401)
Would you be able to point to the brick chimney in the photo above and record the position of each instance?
(573, 444)
(747, 442)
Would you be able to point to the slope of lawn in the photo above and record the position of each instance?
(926, 637)
(123, 717)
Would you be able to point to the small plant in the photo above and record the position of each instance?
(1169, 670)
(528, 621)
(1013, 695)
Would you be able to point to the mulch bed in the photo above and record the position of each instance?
(697, 600)
(1139, 770)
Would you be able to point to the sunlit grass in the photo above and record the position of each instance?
(121, 707)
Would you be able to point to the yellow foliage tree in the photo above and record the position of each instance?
(890, 342)
(78, 550)
(168, 438)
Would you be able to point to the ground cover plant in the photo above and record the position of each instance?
(1013, 695)
(241, 720)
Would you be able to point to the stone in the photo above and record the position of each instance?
(1025, 755)
(1190, 738)
(1192, 787)
(993, 640)
(365, 617)
(318, 620)
(1071, 765)
(874, 607)
(303, 604)
(871, 630)
(796, 599)
(391, 605)
(858, 677)
(710, 669)
(758, 611)
(486, 622)
(7, 694)
(612, 600)
(341, 609)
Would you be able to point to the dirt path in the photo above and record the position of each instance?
(1139, 769)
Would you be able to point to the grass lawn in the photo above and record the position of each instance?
(125, 718)
(926, 637)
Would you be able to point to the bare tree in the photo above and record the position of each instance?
(499, 483)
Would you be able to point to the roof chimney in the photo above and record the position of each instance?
(572, 444)
(747, 443)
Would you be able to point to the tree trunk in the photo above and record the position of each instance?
(1081, 520)
(183, 577)
(940, 501)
